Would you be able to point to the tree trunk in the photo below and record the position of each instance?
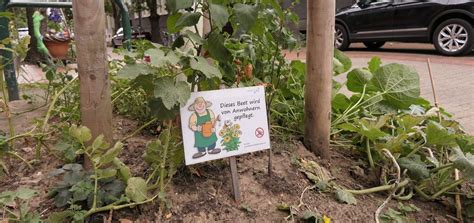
(116, 15)
(155, 28)
(319, 59)
(95, 102)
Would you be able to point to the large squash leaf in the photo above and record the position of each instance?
(245, 15)
(417, 169)
(400, 85)
(436, 134)
(172, 93)
(357, 79)
(219, 15)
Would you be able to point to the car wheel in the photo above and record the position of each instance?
(453, 37)
(374, 44)
(341, 39)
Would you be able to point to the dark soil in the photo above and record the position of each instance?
(203, 193)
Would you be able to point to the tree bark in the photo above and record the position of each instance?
(320, 52)
(95, 102)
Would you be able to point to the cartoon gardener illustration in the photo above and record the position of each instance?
(202, 122)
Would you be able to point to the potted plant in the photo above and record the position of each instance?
(58, 37)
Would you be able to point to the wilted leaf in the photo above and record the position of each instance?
(417, 169)
(111, 154)
(82, 133)
(345, 197)
(25, 193)
(123, 170)
(136, 189)
(465, 163)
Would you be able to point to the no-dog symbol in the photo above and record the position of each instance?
(259, 132)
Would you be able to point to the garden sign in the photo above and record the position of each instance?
(224, 123)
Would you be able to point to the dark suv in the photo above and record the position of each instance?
(448, 24)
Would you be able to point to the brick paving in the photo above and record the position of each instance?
(453, 76)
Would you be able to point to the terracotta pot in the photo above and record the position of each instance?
(57, 49)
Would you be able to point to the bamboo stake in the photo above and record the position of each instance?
(457, 197)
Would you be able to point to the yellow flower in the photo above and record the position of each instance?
(236, 135)
(221, 133)
(237, 126)
(226, 139)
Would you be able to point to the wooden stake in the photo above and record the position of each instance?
(319, 57)
(457, 197)
(432, 83)
(235, 178)
(270, 155)
(96, 106)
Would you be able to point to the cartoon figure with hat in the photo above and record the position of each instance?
(202, 122)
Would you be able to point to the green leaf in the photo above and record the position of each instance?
(174, 5)
(357, 79)
(62, 197)
(81, 191)
(245, 16)
(345, 197)
(136, 189)
(82, 133)
(172, 93)
(171, 22)
(132, 71)
(106, 173)
(187, 19)
(60, 217)
(417, 169)
(465, 163)
(345, 62)
(159, 110)
(399, 83)
(111, 154)
(215, 46)
(25, 193)
(407, 122)
(219, 15)
(193, 37)
(99, 144)
(436, 134)
(371, 129)
(123, 170)
(159, 58)
(201, 64)
(374, 64)
(340, 102)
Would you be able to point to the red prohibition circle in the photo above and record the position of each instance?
(259, 132)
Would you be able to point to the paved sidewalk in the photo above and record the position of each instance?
(453, 76)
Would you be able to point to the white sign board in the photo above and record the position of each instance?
(224, 123)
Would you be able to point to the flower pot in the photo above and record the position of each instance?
(57, 49)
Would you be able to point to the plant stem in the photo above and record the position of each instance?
(369, 153)
(113, 207)
(44, 125)
(140, 129)
(5, 104)
(20, 158)
(449, 187)
(441, 167)
(379, 188)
